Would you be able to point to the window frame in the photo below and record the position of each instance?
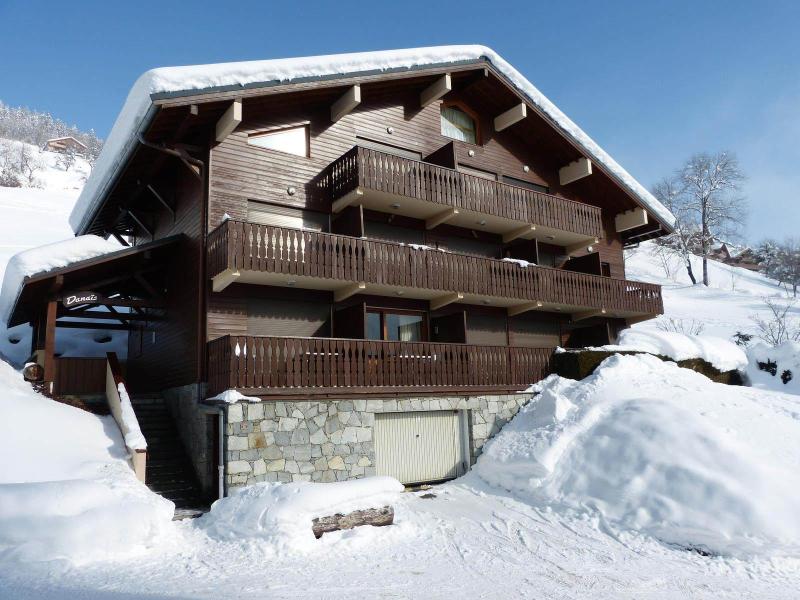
(382, 311)
(276, 130)
(457, 104)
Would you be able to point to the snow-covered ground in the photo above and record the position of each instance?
(543, 515)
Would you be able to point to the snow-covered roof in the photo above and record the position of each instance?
(47, 258)
(68, 137)
(138, 108)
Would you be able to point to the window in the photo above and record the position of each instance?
(395, 325)
(293, 140)
(458, 125)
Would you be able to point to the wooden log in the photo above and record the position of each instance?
(377, 517)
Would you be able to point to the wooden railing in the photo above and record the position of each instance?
(285, 365)
(237, 246)
(379, 171)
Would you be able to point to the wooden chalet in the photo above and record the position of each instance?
(407, 244)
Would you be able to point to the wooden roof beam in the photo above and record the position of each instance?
(346, 103)
(577, 169)
(436, 90)
(221, 281)
(630, 219)
(513, 115)
(229, 121)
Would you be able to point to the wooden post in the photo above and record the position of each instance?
(50, 344)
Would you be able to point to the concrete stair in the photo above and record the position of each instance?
(169, 471)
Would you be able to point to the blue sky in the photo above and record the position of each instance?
(652, 82)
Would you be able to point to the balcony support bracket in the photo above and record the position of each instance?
(441, 301)
(345, 292)
(440, 218)
(521, 308)
(633, 320)
(224, 279)
(581, 245)
(346, 200)
(588, 314)
(518, 233)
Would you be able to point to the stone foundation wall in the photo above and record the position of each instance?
(191, 419)
(332, 440)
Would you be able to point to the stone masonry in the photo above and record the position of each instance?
(332, 440)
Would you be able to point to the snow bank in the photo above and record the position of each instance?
(46, 258)
(280, 515)
(787, 362)
(66, 490)
(193, 79)
(721, 353)
(81, 520)
(660, 450)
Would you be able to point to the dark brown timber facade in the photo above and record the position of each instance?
(351, 240)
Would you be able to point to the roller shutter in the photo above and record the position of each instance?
(417, 447)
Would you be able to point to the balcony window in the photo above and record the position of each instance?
(395, 326)
(458, 125)
(293, 140)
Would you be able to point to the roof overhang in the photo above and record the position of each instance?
(146, 99)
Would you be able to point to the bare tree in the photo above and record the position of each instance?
(710, 185)
(683, 241)
(28, 165)
(67, 158)
(777, 326)
(781, 261)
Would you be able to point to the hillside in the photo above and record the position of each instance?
(30, 217)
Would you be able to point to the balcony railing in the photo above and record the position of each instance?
(374, 170)
(236, 246)
(294, 365)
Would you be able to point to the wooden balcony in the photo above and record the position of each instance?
(288, 366)
(393, 184)
(261, 254)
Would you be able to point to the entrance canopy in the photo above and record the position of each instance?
(130, 278)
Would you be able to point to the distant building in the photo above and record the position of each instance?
(63, 143)
(736, 256)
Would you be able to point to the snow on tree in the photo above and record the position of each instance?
(781, 261)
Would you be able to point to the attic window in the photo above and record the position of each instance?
(458, 125)
(293, 140)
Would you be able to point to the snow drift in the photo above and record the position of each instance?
(68, 492)
(280, 515)
(721, 353)
(660, 450)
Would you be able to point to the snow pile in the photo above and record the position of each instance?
(46, 258)
(280, 515)
(784, 375)
(721, 353)
(192, 79)
(232, 397)
(651, 447)
(68, 492)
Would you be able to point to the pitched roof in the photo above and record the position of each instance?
(138, 109)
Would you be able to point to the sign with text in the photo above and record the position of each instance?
(81, 298)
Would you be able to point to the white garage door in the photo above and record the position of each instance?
(415, 447)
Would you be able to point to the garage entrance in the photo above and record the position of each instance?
(419, 447)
